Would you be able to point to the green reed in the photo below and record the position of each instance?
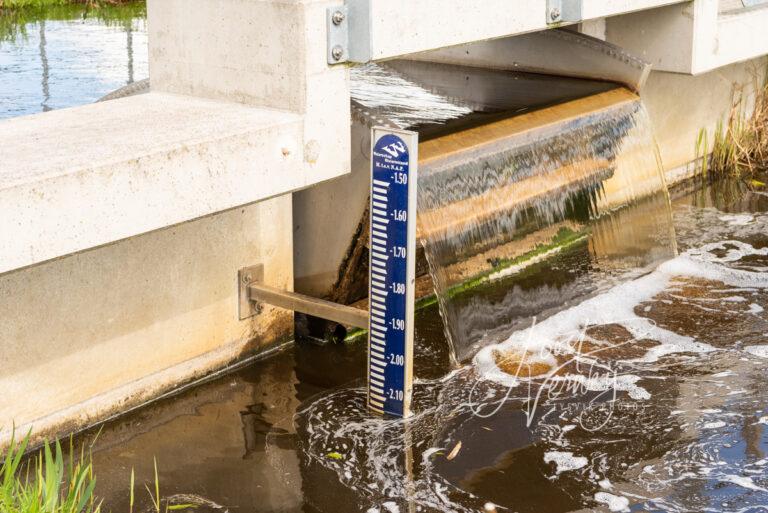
(48, 482)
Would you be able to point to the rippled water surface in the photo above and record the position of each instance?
(67, 56)
(649, 396)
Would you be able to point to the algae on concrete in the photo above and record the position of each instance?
(565, 238)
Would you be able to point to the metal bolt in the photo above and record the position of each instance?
(247, 278)
(337, 52)
(554, 13)
(337, 17)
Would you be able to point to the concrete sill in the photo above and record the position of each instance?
(740, 36)
(692, 38)
(78, 178)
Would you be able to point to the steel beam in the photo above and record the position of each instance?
(346, 315)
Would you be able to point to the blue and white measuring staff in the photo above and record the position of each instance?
(394, 162)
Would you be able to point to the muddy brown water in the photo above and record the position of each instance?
(682, 432)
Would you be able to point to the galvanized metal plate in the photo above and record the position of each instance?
(245, 276)
(337, 23)
(563, 11)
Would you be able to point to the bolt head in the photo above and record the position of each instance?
(337, 17)
(337, 52)
(554, 13)
(247, 278)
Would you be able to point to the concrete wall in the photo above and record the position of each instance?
(681, 105)
(96, 333)
(692, 37)
(266, 53)
(326, 216)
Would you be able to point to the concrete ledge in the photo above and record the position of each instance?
(400, 27)
(79, 178)
(693, 37)
(740, 36)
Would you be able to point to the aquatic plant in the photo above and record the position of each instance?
(48, 482)
(739, 145)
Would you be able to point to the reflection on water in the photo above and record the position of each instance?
(72, 58)
(653, 397)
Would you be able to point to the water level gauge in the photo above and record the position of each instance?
(394, 157)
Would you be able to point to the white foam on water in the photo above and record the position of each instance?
(429, 452)
(565, 461)
(714, 425)
(391, 507)
(617, 306)
(614, 502)
(763, 420)
(744, 482)
(761, 351)
(605, 382)
(738, 219)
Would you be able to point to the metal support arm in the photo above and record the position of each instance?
(342, 314)
(253, 293)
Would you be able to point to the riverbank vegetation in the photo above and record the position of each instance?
(46, 483)
(739, 145)
(17, 15)
(52, 482)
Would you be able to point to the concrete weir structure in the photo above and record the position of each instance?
(123, 224)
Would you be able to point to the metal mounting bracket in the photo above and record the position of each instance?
(245, 276)
(563, 11)
(349, 32)
(337, 23)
